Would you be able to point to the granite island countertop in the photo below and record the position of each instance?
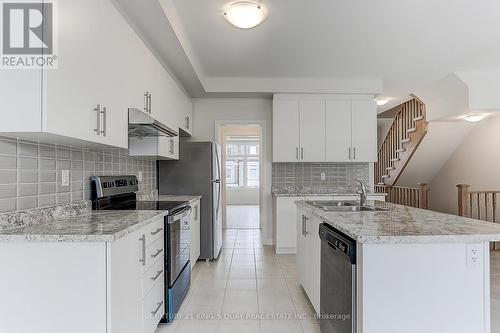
(403, 224)
(89, 226)
(321, 194)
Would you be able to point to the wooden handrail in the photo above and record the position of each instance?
(407, 196)
(407, 131)
(481, 205)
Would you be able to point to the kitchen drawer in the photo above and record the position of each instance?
(154, 231)
(153, 275)
(153, 252)
(153, 307)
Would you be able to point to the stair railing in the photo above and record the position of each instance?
(407, 131)
(407, 196)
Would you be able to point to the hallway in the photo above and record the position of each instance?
(242, 216)
(244, 290)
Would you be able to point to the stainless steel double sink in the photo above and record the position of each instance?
(344, 206)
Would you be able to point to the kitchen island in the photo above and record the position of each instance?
(416, 270)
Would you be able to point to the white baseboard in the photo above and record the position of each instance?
(268, 241)
(286, 250)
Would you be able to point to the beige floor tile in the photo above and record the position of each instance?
(239, 326)
(281, 326)
(243, 265)
(196, 326)
(242, 274)
(206, 297)
(242, 284)
(266, 273)
(243, 257)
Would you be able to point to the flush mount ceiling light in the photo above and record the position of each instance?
(245, 14)
(382, 101)
(474, 118)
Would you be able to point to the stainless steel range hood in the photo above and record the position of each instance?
(142, 125)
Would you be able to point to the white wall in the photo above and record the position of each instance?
(209, 111)
(475, 162)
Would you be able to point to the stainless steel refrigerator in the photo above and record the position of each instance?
(198, 172)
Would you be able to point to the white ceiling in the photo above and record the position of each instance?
(406, 43)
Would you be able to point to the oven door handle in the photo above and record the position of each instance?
(179, 215)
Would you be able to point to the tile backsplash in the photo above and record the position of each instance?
(30, 172)
(339, 176)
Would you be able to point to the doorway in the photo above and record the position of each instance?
(241, 174)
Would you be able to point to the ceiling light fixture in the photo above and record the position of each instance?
(474, 118)
(382, 101)
(245, 14)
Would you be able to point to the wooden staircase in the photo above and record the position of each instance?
(407, 131)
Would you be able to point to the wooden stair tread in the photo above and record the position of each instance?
(411, 130)
(385, 176)
(405, 140)
(397, 159)
(400, 150)
(418, 118)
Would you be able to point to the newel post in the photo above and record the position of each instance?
(463, 200)
(422, 195)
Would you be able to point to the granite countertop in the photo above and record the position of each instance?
(94, 226)
(318, 194)
(189, 198)
(403, 224)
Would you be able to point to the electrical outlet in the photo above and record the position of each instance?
(64, 177)
(323, 176)
(139, 176)
(474, 255)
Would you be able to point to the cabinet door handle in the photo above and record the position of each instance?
(153, 313)
(157, 253)
(302, 153)
(158, 273)
(104, 112)
(143, 245)
(149, 100)
(97, 110)
(354, 149)
(297, 152)
(156, 231)
(171, 146)
(305, 226)
(349, 153)
(196, 212)
(146, 102)
(187, 122)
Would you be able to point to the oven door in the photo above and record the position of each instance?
(178, 243)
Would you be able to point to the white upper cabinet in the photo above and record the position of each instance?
(83, 97)
(312, 131)
(324, 128)
(104, 68)
(338, 135)
(364, 131)
(286, 142)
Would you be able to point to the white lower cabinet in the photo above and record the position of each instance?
(195, 232)
(117, 287)
(285, 215)
(285, 212)
(309, 255)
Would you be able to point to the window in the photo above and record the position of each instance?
(242, 161)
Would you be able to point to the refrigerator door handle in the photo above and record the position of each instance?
(217, 181)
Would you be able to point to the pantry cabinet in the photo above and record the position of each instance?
(324, 128)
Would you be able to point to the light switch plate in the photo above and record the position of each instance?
(64, 177)
(139, 176)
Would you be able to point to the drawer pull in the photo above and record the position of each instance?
(157, 231)
(143, 250)
(157, 253)
(154, 278)
(153, 313)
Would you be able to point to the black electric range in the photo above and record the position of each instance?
(118, 193)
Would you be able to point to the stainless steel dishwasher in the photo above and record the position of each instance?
(338, 281)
